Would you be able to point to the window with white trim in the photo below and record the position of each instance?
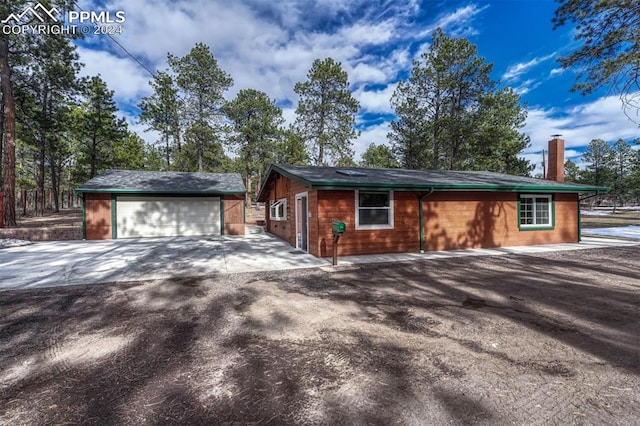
(536, 211)
(278, 209)
(374, 209)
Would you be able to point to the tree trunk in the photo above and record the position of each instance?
(43, 147)
(54, 186)
(94, 157)
(166, 143)
(9, 153)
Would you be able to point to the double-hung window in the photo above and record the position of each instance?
(278, 209)
(374, 210)
(536, 211)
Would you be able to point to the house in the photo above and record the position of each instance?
(127, 204)
(396, 210)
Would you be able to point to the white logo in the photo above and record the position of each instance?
(52, 14)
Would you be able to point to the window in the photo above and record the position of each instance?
(278, 209)
(536, 212)
(374, 210)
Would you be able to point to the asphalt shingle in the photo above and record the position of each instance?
(404, 179)
(165, 182)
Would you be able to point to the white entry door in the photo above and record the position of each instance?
(302, 229)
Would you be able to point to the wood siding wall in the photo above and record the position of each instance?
(97, 216)
(340, 205)
(234, 214)
(452, 220)
(285, 229)
(461, 220)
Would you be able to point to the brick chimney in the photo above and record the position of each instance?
(556, 160)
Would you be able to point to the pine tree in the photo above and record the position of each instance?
(257, 122)
(598, 158)
(325, 116)
(97, 129)
(451, 117)
(610, 53)
(161, 112)
(378, 156)
(202, 85)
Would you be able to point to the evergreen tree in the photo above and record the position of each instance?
(161, 112)
(571, 172)
(292, 149)
(451, 117)
(202, 85)
(257, 122)
(326, 112)
(379, 157)
(610, 53)
(598, 158)
(97, 130)
(23, 57)
(622, 168)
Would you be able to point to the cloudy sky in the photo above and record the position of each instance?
(270, 45)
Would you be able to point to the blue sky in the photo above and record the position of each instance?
(270, 45)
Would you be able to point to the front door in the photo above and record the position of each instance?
(302, 234)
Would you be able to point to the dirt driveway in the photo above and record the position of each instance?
(548, 338)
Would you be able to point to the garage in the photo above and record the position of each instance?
(141, 204)
(167, 216)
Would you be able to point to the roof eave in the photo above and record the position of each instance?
(455, 187)
(158, 192)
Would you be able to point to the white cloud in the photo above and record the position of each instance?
(526, 86)
(515, 71)
(122, 75)
(556, 71)
(457, 23)
(373, 134)
(376, 101)
(600, 119)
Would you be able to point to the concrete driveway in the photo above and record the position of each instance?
(59, 263)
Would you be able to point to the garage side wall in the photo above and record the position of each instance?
(97, 216)
(233, 214)
(462, 220)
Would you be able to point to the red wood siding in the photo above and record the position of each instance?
(98, 216)
(460, 220)
(452, 220)
(234, 214)
(285, 229)
(340, 205)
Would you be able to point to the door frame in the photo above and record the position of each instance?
(298, 221)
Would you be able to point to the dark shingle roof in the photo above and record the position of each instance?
(129, 181)
(403, 179)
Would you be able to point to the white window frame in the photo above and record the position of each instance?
(388, 225)
(274, 206)
(533, 197)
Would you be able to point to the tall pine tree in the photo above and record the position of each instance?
(326, 113)
(202, 84)
(450, 116)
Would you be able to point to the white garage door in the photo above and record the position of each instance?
(167, 216)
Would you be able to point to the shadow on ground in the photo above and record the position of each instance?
(484, 340)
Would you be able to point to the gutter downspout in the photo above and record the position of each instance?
(580, 200)
(421, 220)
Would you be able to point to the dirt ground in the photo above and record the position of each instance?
(520, 339)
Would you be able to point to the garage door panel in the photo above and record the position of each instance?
(167, 216)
